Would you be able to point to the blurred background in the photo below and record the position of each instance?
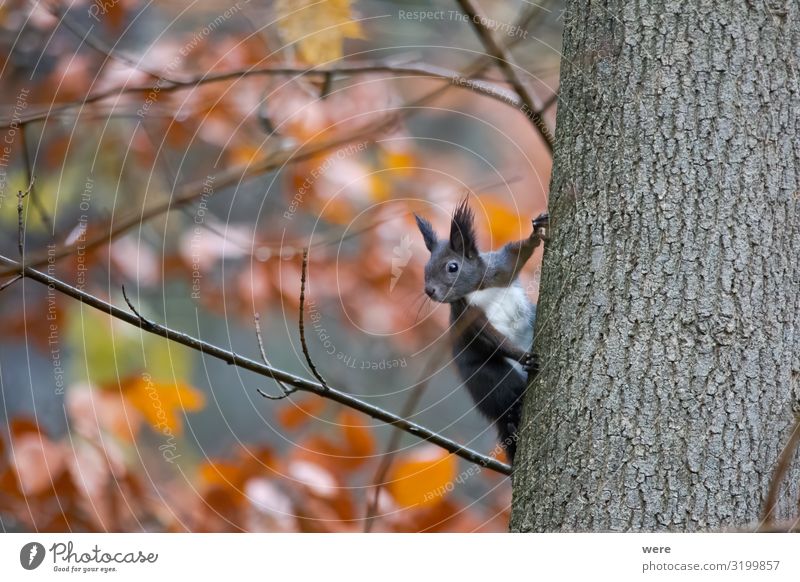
(185, 152)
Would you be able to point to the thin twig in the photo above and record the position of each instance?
(300, 324)
(552, 100)
(26, 162)
(10, 282)
(781, 469)
(234, 359)
(503, 58)
(263, 113)
(270, 396)
(327, 83)
(20, 225)
(286, 390)
(144, 323)
(20, 218)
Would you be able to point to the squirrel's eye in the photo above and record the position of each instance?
(452, 267)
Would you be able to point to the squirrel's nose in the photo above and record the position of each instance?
(429, 291)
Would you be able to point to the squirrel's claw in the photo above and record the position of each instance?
(541, 224)
(530, 363)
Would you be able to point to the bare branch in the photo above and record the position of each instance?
(532, 108)
(485, 88)
(300, 325)
(234, 359)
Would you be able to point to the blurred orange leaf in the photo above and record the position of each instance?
(38, 462)
(320, 450)
(160, 403)
(92, 410)
(400, 161)
(21, 425)
(300, 411)
(223, 501)
(336, 210)
(244, 154)
(423, 478)
(226, 482)
(317, 28)
(358, 437)
(111, 12)
(380, 188)
(219, 472)
(502, 221)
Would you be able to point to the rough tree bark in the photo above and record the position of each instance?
(669, 314)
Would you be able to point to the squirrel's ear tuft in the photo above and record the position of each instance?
(427, 232)
(462, 231)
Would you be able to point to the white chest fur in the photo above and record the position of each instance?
(508, 309)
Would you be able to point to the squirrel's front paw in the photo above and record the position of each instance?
(541, 224)
(530, 363)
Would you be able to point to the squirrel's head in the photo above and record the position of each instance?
(455, 268)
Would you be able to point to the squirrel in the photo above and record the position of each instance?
(491, 316)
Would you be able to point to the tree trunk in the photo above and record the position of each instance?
(669, 314)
